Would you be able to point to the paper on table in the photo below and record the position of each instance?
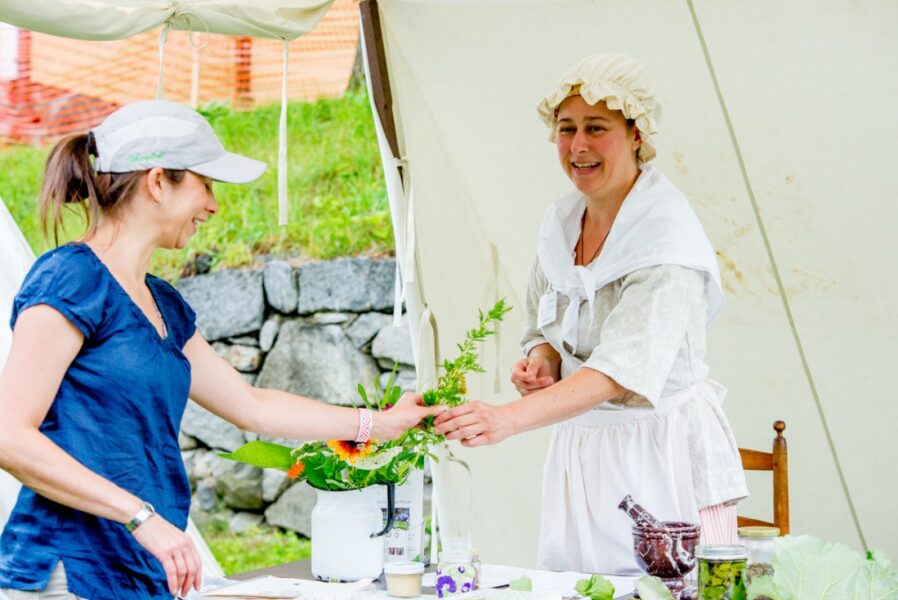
(279, 587)
(563, 583)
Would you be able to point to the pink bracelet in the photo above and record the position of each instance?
(366, 421)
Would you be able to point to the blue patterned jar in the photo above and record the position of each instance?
(455, 573)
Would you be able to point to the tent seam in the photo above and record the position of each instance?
(776, 273)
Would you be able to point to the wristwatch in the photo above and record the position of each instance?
(146, 511)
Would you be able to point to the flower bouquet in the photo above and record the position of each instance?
(341, 466)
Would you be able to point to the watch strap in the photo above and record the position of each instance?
(146, 511)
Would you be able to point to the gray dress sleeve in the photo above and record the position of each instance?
(645, 330)
(537, 286)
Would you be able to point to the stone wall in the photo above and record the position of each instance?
(316, 330)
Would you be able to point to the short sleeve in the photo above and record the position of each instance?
(643, 334)
(69, 281)
(537, 286)
(181, 318)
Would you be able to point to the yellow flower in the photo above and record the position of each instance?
(351, 451)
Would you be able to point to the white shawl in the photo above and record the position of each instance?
(655, 226)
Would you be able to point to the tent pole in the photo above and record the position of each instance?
(377, 64)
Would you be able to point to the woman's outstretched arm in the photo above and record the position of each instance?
(219, 388)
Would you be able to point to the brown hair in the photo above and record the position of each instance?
(70, 179)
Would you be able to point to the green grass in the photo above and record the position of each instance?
(338, 202)
(254, 549)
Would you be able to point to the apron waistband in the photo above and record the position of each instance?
(600, 417)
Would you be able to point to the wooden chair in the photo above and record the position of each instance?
(776, 461)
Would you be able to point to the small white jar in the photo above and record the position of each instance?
(404, 579)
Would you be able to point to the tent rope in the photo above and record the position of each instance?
(776, 273)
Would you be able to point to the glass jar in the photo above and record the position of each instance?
(455, 573)
(721, 571)
(759, 542)
(404, 579)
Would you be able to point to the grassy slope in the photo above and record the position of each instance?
(338, 204)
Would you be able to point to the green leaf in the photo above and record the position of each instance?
(806, 568)
(521, 584)
(652, 588)
(765, 588)
(263, 454)
(595, 588)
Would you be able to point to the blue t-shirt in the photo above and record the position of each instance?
(118, 412)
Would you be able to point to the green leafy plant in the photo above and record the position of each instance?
(652, 588)
(521, 584)
(595, 588)
(337, 465)
(807, 568)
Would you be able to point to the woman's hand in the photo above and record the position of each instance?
(475, 424)
(402, 416)
(533, 373)
(175, 550)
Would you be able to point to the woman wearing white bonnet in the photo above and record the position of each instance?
(623, 288)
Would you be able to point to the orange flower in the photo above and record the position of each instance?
(296, 470)
(351, 451)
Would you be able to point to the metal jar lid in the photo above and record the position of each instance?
(756, 531)
(719, 552)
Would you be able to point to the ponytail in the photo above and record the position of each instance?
(70, 181)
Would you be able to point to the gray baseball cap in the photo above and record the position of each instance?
(159, 133)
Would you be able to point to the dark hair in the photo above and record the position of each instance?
(70, 179)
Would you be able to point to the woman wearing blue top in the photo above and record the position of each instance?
(104, 357)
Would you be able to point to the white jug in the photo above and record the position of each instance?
(347, 530)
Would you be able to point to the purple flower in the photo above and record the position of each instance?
(461, 569)
(466, 586)
(445, 585)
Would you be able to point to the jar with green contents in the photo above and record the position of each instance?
(759, 542)
(721, 572)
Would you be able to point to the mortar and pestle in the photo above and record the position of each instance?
(664, 549)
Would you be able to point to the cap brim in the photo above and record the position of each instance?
(231, 168)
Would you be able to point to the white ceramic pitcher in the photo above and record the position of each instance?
(347, 530)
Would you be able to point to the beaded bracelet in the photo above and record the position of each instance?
(366, 422)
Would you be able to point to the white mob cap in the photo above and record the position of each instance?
(618, 80)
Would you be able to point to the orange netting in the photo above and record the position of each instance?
(51, 86)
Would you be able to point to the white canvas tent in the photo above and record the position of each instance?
(776, 121)
(779, 125)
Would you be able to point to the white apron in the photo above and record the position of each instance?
(673, 458)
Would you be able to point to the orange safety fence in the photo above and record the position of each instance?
(52, 86)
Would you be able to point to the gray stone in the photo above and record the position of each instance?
(281, 287)
(245, 359)
(227, 303)
(200, 466)
(293, 510)
(317, 362)
(274, 483)
(245, 340)
(250, 378)
(205, 495)
(244, 521)
(239, 485)
(366, 327)
(351, 284)
(405, 380)
(332, 318)
(269, 333)
(210, 429)
(393, 344)
(185, 442)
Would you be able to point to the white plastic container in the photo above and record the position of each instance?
(404, 578)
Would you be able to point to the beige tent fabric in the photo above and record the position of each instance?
(17, 258)
(115, 19)
(765, 131)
